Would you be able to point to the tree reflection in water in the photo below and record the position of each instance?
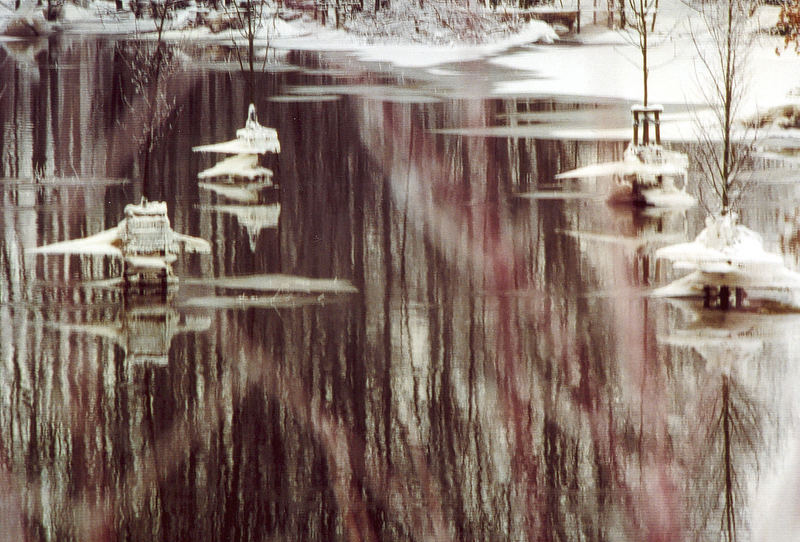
(722, 476)
(484, 385)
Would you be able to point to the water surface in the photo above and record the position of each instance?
(500, 373)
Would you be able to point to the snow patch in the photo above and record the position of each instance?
(424, 56)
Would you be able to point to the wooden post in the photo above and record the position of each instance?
(645, 129)
(657, 121)
(635, 127)
(706, 297)
(579, 16)
(724, 297)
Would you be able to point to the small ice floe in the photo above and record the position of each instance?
(271, 291)
(299, 98)
(281, 283)
(648, 174)
(252, 139)
(725, 256)
(144, 240)
(272, 301)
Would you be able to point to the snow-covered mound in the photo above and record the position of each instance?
(727, 254)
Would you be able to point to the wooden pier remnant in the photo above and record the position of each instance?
(645, 116)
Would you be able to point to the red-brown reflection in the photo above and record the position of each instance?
(466, 218)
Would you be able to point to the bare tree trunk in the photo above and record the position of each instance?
(643, 36)
(727, 111)
(719, 155)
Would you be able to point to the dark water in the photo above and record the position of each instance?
(501, 373)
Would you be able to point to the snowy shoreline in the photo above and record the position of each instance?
(597, 63)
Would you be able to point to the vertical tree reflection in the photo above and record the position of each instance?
(477, 387)
(733, 441)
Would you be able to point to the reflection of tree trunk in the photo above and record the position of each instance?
(388, 281)
(39, 120)
(729, 517)
(59, 117)
(152, 119)
(16, 110)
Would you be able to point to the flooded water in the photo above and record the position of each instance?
(499, 372)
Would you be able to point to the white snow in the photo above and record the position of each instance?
(651, 168)
(280, 283)
(621, 168)
(418, 56)
(668, 198)
(725, 253)
(608, 66)
(103, 243)
(604, 65)
(240, 146)
(244, 193)
(250, 140)
(240, 165)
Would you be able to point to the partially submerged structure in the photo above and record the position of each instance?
(251, 141)
(727, 260)
(143, 240)
(242, 179)
(648, 174)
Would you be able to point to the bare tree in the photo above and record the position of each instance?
(151, 67)
(251, 18)
(723, 47)
(643, 23)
